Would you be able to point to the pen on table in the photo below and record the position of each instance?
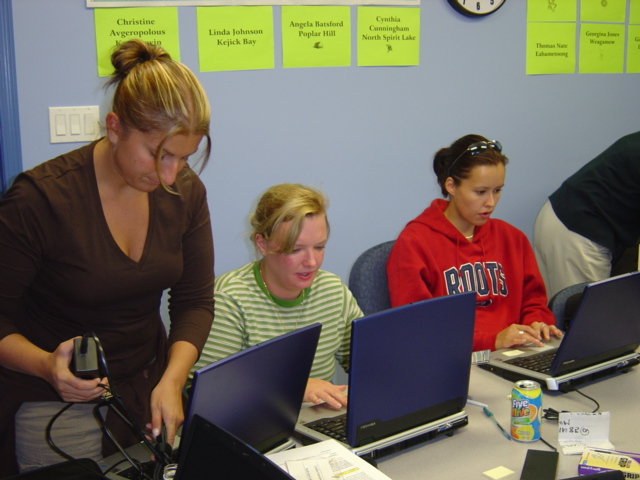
(490, 415)
(477, 404)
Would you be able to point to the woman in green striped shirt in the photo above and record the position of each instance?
(286, 289)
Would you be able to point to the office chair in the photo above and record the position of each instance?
(368, 279)
(627, 262)
(563, 304)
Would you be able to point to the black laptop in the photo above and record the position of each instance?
(211, 453)
(408, 378)
(602, 340)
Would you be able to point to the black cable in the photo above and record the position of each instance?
(112, 401)
(103, 361)
(158, 473)
(124, 414)
(47, 433)
(60, 452)
(587, 396)
(161, 456)
(133, 462)
(554, 415)
(548, 444)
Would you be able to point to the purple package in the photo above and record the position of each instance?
(595, 460)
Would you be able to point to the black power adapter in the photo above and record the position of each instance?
(540, 465)
(84, 363)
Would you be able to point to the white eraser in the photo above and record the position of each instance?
(498, 473)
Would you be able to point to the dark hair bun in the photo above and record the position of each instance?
(132, 53)
(440, 162)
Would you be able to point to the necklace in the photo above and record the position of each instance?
(470, 237)
(274, 304)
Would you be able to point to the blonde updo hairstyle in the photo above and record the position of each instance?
(157, 94)
(286, 203)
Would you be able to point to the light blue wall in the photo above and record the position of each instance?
(366, 136)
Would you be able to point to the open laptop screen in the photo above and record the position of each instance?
(605, 325)
(409, 366)
(256, 393)
(213, 453)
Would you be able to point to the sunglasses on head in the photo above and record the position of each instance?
(475, 148)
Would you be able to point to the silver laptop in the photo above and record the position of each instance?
(602, 340)
(408, 379)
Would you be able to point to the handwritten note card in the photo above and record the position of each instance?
(578, 430)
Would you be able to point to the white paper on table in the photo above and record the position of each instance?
(311, 461)
(310, 469)
(578, 430)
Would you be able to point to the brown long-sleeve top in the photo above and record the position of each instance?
(62, 275)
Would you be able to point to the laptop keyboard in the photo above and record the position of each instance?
(540, 362)
(335, 427)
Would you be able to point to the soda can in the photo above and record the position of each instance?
(526, 411)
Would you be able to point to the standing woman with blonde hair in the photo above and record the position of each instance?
(286, 289)
(89, 241)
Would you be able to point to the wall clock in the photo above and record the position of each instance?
(476, 8)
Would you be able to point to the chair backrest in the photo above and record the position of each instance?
(563, 304)
(368, 279)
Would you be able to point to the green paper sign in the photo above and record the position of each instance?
(601, 48)
(603, 10)
(316, 36)
(551, 10)
(388, 36)
(551, 48)
(114, 26)
(235, 38)
(633, 49)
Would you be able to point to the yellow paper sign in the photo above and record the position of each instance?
(551, 10)
(634, 11)
(114, 26)
(388, 36)
(601, 48)
(603, 10)
(551, 48)
(235, 38)
(315, 36)
(633, 49)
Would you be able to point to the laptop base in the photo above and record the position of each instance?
(566, 383)
(391, 445)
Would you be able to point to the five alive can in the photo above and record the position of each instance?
(526, 406)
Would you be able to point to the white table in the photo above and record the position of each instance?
(480, 446)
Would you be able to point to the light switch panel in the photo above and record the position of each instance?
(74, 124)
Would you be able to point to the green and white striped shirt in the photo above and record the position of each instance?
(245, 315)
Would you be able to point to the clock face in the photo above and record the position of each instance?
(476, 8)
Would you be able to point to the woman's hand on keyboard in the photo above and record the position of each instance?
(517, 334)
(319, 391)
(546, 331)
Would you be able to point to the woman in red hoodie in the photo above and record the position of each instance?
(455, 246)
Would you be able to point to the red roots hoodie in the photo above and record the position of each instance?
(431, 258)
